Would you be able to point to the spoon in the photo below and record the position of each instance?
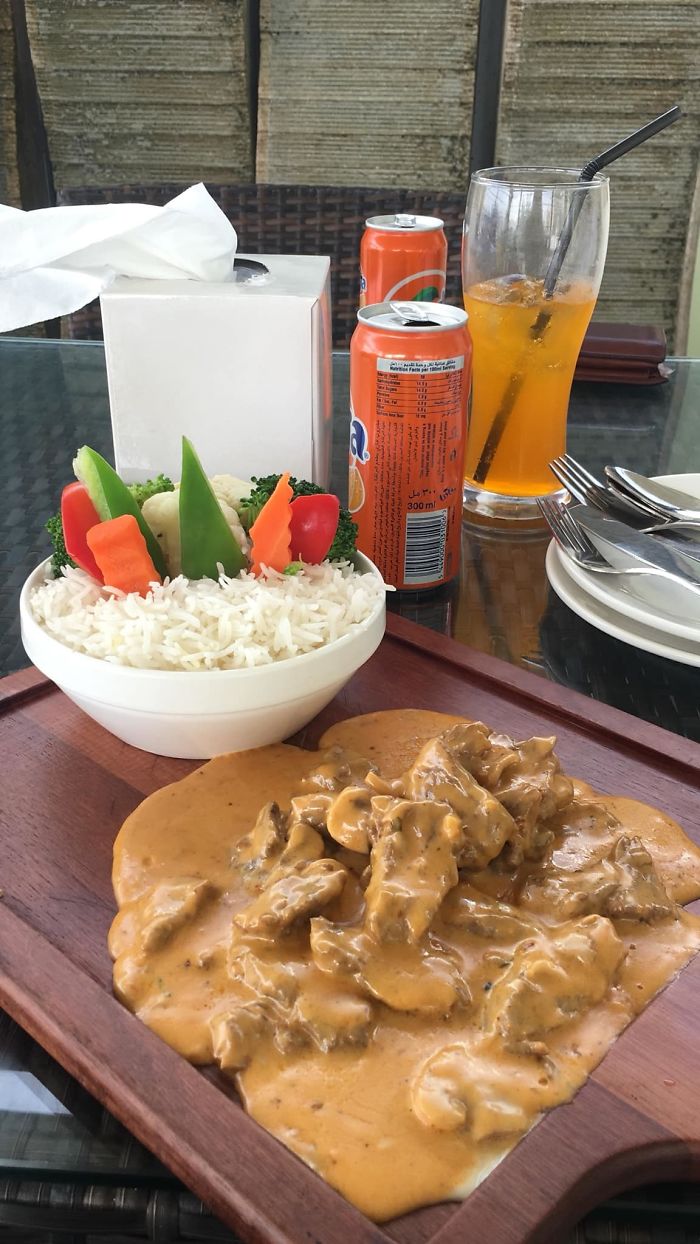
(675, 505)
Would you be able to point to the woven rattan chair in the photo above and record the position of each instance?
(296, 220)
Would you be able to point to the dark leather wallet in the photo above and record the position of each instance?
(622, 354)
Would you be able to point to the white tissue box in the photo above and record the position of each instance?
(242, 368)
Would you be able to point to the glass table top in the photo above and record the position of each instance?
(53, 398)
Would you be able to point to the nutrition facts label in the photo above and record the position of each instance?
(422, 367)
(419, 427)
(407, 389)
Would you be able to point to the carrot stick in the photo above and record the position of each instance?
(271, 532)
(121, 553)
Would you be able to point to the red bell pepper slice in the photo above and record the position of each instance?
(313, 525)
(78, 515)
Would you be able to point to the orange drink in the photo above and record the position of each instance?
(533, 253)
(502, 313)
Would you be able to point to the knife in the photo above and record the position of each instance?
(632, 548)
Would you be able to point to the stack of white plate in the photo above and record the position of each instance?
(618, 606)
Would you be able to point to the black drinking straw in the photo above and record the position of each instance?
(539, 327)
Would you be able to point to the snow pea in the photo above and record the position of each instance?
(111, 498)
(205, 537)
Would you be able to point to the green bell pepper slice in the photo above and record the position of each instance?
(205, 537)
(111, 498)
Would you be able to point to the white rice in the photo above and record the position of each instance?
(204, 625)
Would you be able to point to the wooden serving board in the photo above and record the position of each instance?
(65, 788)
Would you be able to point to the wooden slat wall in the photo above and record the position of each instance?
(366, 93)
(9, 181)
(579, 74)
(143, 90)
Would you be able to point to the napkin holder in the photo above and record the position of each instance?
(242, 367)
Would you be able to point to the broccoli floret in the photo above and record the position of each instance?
(345, 541)
(59, 558)
(141, 492)
(344, 544)
(251, 506)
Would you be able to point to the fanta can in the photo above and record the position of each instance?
(410, 373)
(402, 256)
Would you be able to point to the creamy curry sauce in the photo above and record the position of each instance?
(402, 950)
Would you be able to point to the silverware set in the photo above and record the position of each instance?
(633, 518)
(572, 539)
(640, 501)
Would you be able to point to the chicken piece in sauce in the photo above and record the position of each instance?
(486, 918)
(525, 777)
(550, 981)
(273, 846)
(319, 1013)
(338, 769)
(169, 908)
(623, 885)
(486, 824)
(297, 893)
(404, 976)
(413, 865)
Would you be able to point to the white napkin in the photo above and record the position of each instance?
(56, 259)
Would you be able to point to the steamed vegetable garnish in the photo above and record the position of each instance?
(344, 543)
(78, 515)
(59, 557)
(179, 584)
(195, 528)
(112, 498)
(271, 531)
(162, 513)
(206, 539)
(230, 490)
(150, 488)
(121, 553)
(313, 526)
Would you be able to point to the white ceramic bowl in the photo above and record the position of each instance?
(198, 714)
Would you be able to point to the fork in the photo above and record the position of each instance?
(591, 491)
(574, 541)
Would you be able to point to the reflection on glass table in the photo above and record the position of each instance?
(67, 1165)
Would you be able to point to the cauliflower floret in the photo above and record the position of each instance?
(234, 523)
(162, 513)
(231, 490)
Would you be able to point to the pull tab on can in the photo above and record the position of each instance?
(414, 312)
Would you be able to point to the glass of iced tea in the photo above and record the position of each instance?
(523, 227)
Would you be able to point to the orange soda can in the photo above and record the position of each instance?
(402, 256)
(410, 373)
